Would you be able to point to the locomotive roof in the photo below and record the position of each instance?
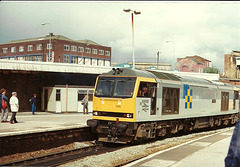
(156, 75)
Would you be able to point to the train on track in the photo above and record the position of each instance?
(133, 105)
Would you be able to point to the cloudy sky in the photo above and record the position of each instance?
(207, 29)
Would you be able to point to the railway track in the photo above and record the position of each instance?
(20, 143)
(60, 158)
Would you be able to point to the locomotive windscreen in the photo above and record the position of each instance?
(119, 87)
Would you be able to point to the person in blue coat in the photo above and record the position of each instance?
(33, 102)
(233, 156)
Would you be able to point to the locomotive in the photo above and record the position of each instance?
(133, 105)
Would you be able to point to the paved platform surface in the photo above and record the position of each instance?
(43, 121)
(208, 151)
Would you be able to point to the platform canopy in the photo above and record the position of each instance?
(51, 67)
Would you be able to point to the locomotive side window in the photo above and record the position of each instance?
(170, 101)
(224, 101)
(148, 90)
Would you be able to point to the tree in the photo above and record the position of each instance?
(214, 70)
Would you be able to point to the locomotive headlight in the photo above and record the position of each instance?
(95, 113)
(129, 115)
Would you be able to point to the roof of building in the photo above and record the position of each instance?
(150, 63)
(59, 37)
(86, 41)
(123, 65)
(196, 59)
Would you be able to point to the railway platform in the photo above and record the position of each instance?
(207, 151)
(43, 122)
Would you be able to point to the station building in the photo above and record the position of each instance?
(57, 48)
(59, 70)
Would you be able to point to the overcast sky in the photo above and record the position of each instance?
(206, 29)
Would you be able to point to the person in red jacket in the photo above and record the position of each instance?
(4, 111)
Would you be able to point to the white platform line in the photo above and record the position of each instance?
(154, 154)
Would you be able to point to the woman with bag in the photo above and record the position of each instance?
(3, 105)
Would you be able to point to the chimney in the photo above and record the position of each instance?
(50, 34)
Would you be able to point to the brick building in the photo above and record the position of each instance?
(57, 48)
(231, 61)
(192, 64)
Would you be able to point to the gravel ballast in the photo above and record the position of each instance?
(131, 153)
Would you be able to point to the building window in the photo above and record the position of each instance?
(5, 50)
(13, 49)
(66, 59)
(94, 62)
(101, 52)
(107, 53)
(73, 48)
(81, 94)
(49, 46)
(38, 58)
(81, 49)
(58, 94)
(39, 46)
(49, 57)
(80, 60)
(73, 60)
(94, 51)
(21, 48)
(29, 58)
(30, 48)
(88, 50)
(66, 47)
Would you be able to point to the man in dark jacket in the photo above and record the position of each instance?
(33, 102)
(233, 156)
(4, 111)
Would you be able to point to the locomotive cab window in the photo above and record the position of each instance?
(119, 87)
(170, 101)
(224, 101)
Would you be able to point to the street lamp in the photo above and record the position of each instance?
(50, 45)
(136, 13)
(173, 48)
(158, 55)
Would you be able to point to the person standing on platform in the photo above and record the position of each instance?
(14, 105)
(4, 111)
(85, 104)
(233, 155)
(33, 102)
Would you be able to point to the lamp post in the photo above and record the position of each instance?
(158, 55)
(173, 48)
(132, 13)
(50, 45)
